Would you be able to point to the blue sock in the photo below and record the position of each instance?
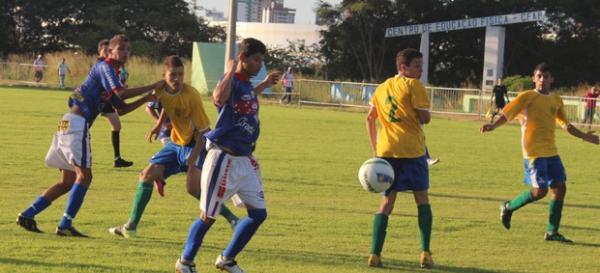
(243, 232)
(73, 205)
(194, 240)
(36, 207)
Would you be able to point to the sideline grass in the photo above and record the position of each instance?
(319, 217)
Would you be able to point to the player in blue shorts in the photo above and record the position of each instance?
(155, 110)
(401, 106)
(539, 111)
(183, 105)
(230, 169)
(108, 111)
(71, 150)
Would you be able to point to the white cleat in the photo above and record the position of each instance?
(185, 268)
(227, 265)
(433, 161)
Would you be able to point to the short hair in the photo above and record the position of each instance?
(543, 67)
(251, 46)
(172, 62)
(406, 56)
(117, 39)
(103, 43)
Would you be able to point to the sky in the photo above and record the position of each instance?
(304, 12)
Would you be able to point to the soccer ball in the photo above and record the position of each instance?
(376, 175)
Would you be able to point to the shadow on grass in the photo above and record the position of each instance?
(73, 267)
(500, 200)
(587, 244)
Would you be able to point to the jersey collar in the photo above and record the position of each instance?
(241, 77)
(111, 62)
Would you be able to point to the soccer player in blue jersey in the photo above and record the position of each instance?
(71, 150)
(108, 111)
(229, 168)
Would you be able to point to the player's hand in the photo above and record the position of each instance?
(486, 128)
(152, 134)
(591, 137)
(272, 79)
(231, 65)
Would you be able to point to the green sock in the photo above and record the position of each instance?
(142, 197)
(520, 201)
(555, 212)
(380, 222)
(228, 214)
(425, 223)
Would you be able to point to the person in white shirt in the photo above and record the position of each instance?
(62, 72)
(288, 79)
(38, 68)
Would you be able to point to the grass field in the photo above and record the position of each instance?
(319, 217)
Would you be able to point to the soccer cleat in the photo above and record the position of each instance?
(425, 260)
(28, 224)
(505, 215)
(70, 231)
(375, 261)
(122, 231)
(160, 186)
(180, 267)
(228, 265)
(122, 163)
(556, 237)
(433, 161)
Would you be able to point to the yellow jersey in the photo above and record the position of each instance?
(538, 114)
(396, 101)
(186, 112)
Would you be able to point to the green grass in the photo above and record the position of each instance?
(319, 217)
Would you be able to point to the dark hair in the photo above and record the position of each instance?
(543, 67)
(119, 38)
(102, 43)
(172, 62)
(406, 56)
(251, 46)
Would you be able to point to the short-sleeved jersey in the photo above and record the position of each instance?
(186, 112)
(397, 101)
(590, 100)
(97, 90)
(538, 114)
(237, 127)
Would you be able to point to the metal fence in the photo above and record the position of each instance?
(455, 101)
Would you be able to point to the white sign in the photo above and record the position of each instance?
(496, 20)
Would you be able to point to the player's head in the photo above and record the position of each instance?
(595, 89)
(251, 55)
(118, 48)
(499, 81)
(409, 63)
(542, 77)
(103, 48)
(173, 72)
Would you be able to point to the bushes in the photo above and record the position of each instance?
(518, 83)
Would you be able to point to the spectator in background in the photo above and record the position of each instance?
(590, 105)
(38, 68)
(62, 71)
(288, 79)
(498, 94)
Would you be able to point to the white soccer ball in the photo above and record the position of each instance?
(376, 175)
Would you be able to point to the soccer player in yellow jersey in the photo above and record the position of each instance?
(538, 111)
(183, 105)
(401, 105)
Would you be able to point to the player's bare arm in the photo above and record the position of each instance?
(128, 107)
(222, 91)
(200, 142)
(492, 126)
(134, 92)
(155, 130)
(372, 128)
(424, 116)
(589, 136)
(269, 81)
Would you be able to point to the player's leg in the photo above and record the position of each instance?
(558, 187)
(380, 223)
(249, 189)
(416, 174)
(115, 125)
(76, 197)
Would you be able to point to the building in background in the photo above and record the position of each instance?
(265, 11)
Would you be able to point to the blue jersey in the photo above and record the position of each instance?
(97, 91)
(237, 127)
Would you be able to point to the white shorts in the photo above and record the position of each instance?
(225, 175)
(71, 144)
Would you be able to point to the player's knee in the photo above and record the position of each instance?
(257, 215)
(150, 173)
(539, 193)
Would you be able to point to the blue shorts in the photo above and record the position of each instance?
(410, 174)
(544, 171)
(164, 133)
(174, 158)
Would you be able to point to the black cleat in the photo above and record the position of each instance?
(122, 163)
(28, 224)
(70, 231)
(556, 237)
(505, 215)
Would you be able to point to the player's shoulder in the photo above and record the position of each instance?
(188, 89)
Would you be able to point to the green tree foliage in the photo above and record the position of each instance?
(569, 40)
(160, 27)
